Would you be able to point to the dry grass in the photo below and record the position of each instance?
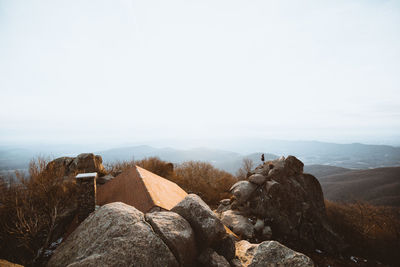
(373, 232)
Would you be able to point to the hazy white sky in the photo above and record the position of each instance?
(99, 71)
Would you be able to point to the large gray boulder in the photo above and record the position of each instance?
(207, 227)
(243, 190)
(239, 224)
(176, 232)
(114, 235)
(270, 253)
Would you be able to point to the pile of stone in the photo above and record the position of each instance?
(189, 235)
(278, 201)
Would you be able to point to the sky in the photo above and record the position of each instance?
(125, 71)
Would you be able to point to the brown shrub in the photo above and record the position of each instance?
(371, 231)
(203, 179)
(32, 211)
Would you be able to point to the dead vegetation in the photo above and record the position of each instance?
(32, 211)
(372, 232)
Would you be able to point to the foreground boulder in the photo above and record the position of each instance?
(115, 235)
(207, 227)
(176, 232)
(270, 253)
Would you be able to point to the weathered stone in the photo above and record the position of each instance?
(115, 235)
(267, 232)
(83, 163)
(176, 232)
(238, 223)
(207, 227)
(104, 179)
(270, 253)
(293, 165)
(259, 226)
(226, 247)
(257, 179)
(224, 205)
(210, 258)
(243, 190)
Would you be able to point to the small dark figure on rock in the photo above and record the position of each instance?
(262, 158)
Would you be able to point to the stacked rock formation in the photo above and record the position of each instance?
(279, 201)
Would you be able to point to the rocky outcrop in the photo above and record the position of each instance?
(83, 163)
(270, 253)
(176, 232)
(115, 235)
(280, 201)
(207, 227)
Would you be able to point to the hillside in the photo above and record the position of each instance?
(321, 171)
(379, 186)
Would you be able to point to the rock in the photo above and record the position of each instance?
(83, 163)
(224, 205)
(104, 179)
(210, 258)
(176, 232)
(243, 190)
(207, 227)
(270, 253)
(238, 223)
(257, 179)
(226, 247)
(267, 232)
(293, 165)
(114, 235)
(259, 226)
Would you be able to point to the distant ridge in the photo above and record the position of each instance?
(380, 186)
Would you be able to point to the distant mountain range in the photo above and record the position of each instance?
(352, 156)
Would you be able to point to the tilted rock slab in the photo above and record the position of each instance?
(176, 232)
(207, 227)
(270, 253)
(115, 235)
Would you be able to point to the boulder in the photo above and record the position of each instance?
(176, 232)
(114, 235)
(104, 179)
(243, 190)
(210, 258)
(207, 227)
(257, 179)
(270, 253)
(83, 163)
(238, 223)
(226, 247)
